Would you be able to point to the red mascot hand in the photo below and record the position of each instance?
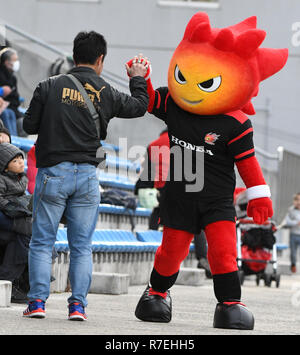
(258, 192)
(141, 59)
(260, 209)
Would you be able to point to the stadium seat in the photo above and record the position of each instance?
(152, 236)
(24, 144)
(281, 246)
(119, 241)
(140, 211)
(109, 241)
(121, 164)
(116, 181)
(61, 244)
(149, 236)
(110, 147)
(118, 217)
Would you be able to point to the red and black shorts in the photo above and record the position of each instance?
(193, 215)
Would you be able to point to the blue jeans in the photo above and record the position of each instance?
(10, 122)
(294, 242)
(73, 190)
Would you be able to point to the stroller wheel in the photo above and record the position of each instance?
(277, 280)
(257, 279)
(268, 280)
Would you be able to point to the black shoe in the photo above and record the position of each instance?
(18, 296)
(154, 308)
(233, 315)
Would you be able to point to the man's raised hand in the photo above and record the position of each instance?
(139, 66)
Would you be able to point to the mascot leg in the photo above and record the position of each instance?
(155, 305)
(230, 313)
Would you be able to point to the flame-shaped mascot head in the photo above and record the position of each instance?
(215, 71)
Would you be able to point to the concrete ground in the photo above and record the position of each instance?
(276, 311)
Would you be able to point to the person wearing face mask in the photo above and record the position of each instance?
(9, 66)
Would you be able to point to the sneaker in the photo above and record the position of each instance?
(35, 309)
(76, 312)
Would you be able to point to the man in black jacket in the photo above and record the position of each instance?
(66, 150)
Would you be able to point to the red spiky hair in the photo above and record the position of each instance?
(243, 39)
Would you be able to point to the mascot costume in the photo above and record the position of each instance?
(212, 77)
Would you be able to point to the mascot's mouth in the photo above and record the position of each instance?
(192, 102)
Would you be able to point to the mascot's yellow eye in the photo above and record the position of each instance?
(211, 84)
(179, 77)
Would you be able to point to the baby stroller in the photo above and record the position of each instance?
(256, 247)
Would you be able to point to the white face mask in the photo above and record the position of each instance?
(16, 66)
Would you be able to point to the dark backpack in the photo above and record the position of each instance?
(121, 198)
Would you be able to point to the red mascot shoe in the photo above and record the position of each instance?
(233, 315)
(154, 306)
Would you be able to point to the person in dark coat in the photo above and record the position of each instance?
(15, 221)
(9, 66)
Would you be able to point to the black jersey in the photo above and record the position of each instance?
(203, 146)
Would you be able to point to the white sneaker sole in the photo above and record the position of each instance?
(77, 318)
(35, 315)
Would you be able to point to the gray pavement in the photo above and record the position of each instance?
(276, 311)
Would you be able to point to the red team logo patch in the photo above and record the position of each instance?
(211, 138)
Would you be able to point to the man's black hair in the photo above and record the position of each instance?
(88, 46)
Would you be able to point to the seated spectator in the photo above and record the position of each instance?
(9, 65)
(15, 221)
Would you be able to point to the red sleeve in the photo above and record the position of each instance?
(250, 171)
